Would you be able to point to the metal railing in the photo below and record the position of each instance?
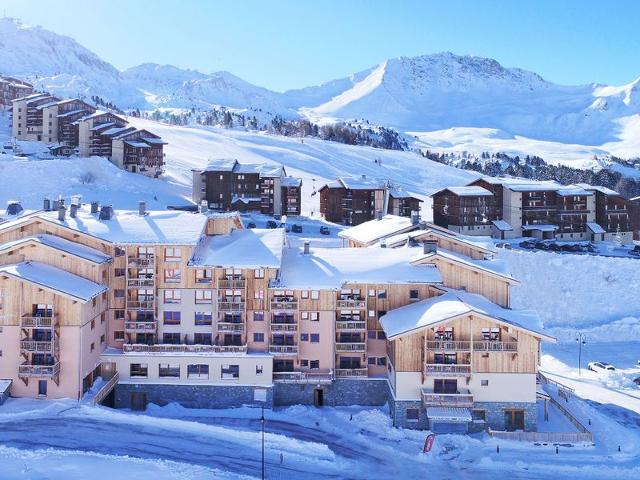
(351, 347)
(353, 304)
(28, 370)
(495, 346)
(230, 327)
(447, 370)
(181, 348)
(284, 305)
(140, 282)
(140, 304)
(463, 398)
(283, 349)
(27, 321)
(106, 389)
(451, 345)
(140, 327)
(230, 306)
(231, 283)
(304, 377)
(148, 261)
(284, 327)
(343, 325)
(37, 346)
(351, 372)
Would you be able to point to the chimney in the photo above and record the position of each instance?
(56, 205)
(73, 210)
(106, 212)
(94, 207)
(142, 208)
(364, 177)
(430, 246)
(307, 245)
(415, 218)
(378, 214)
(204, 206)
(76, 200)
(61, 212)
(383, 243)
(46, 205)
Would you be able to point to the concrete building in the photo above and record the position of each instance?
(12, 88)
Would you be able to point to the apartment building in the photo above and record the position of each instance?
(59, 120)
(352, 201)
(193, 308)
(227, 185)
(511, 208)
(12, 88)
(27, 120)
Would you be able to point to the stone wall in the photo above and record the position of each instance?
(191, 396)
(494, 414)
(398, 411)
(340, 392)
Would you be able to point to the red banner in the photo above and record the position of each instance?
(428, 442)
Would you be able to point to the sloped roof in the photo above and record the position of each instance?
(372, 230)
(493, 267)
(62, 244)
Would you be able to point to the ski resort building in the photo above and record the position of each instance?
(511, 208)
(170, 306)
(27, 119)
(12, 88)
(228, 185)
(352, 201)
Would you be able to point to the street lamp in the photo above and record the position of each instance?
(262, 426)
(581, 338)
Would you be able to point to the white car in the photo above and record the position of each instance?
(601, 367)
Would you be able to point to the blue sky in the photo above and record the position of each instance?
(282, 44)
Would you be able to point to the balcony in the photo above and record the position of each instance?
(447, 370)
(140, 327)
(231, 327)
(181, 348)
(37, 346)
(320, 376)
(140, 282)
(140, 304)
(284, 305)
(349, 325)
(283, 349)
(141, 262)
(284, 327)
(28, 321)
(351, 347)
(231, 283)
(225, 306)
(462, 399)
(449, 345)
(495, 346)
(352, 304)
(27, 370)
(351, 372)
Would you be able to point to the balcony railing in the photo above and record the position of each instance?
(345, 325)
(325, 376)
(495, 346)
(283, 349)
(284, 305)
(230, 327)
(351, 347)
(462, 398)
(182, 348)
(447, 370)
(140, 304)
(230, 306)
(27, 321)
(140, 327)
(27, 370)
(451, 345)
(140, 282)
(148, 261)
(351, 372)
(37, 346)
(353, 304)
(231, 283)
(284, 327)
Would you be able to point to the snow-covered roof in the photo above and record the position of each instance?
(361, 183)
(330, 268)
(502, 225)
(102, 126)
(595, 228)
(54, 279)
(401, 193)
(291, 182)
(598, 188)
(452, 304)
(114, 131)
(247, 200)
(221, 165)
(534, 187)
(61, 244)
(70, 113)
(154, 140)
(402, 238)
(30, 97)
(373, 230)
(164, 227)
(540, 227)
(251, 248)
(571, 190)
(470, 191)
(493, 266)
(137, 144)
(449, 414)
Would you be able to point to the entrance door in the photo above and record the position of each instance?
(138, 401)
(318, 397)
(513, 420)
(42, 387)
(445, 386)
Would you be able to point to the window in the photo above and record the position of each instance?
(381, 335)
(93, 346)
(203, 276)
(413, 295)
(371, 360)
(230, 372)
(169, 370)
(172, 318)
(202, 338)
(172, 275)
(372, 313)
(119, 252)
(103, 339)
(314, 364)
(371, 334)
(103, 318)
(314, 316)
(315, 294)
(259, 273)
(198, 371)
(172, 296)
(304, 315)
(258, 316)
(484, 383)
(315, 338)
(119, 272)
(304, 294)
(304, 337)
(204, 296)
(258, 337)
(172, 254)
(259, 370)
(118, 314)
(203, 318)
(118, 335)
(138, 370)
(259, 295)
(304, 363)
(382, 361)
(93, 324)
(382, 294)
(413, 414)
(171, 338)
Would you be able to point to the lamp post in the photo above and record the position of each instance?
(581, 338)
(262, 426)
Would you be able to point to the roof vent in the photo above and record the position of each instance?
(142, 208)
(94, 207)
(364, 177)
(46, 205)
(383, 243)
(73, 210)
(76, 200)
(13, 207)
(106, 212)
(306, 247)
(378, 214)
(430, 246)
(415, 218)
(61, 212)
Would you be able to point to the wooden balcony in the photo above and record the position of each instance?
(352, 304)
(283, 349)
(462, 398)
(232, 283)
(449, 345)
(351, 372)
(351, 347)
(139, 327)
(495, 346)
(312, 376)
(284, 327)
(350, 326)
(447, 370)
(28, 321)
(141, 262)
(290, 305)
(230, 327)
(225, 306)
(140, 304)
(181, 348)
(27, 370)
(37, 346)
(140, 282)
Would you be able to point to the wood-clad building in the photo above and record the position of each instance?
(468, 210)
(12, 88)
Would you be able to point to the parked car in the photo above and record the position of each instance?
(251, 225)
(601, 367)
(542, 245)
(272, 224)
(325, 231)
(296, 228)
(529, 244)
